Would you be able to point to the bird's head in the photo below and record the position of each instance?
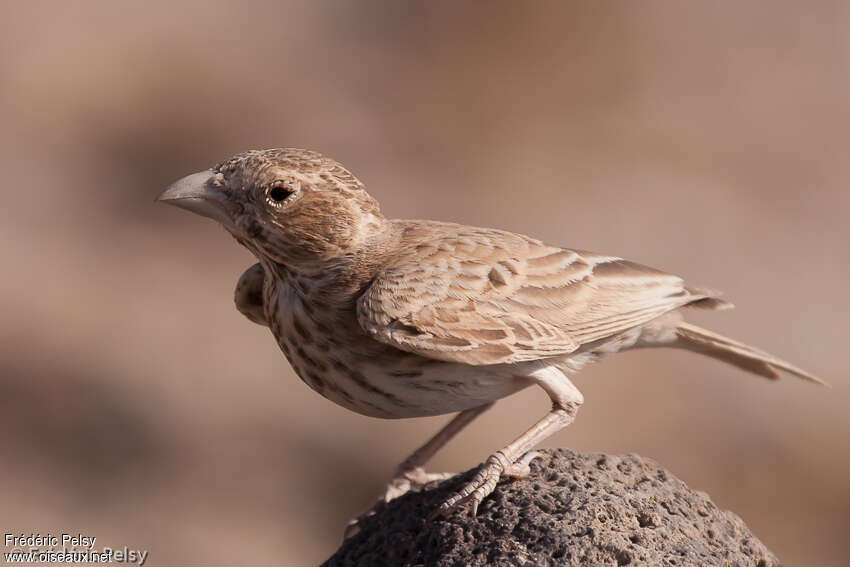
(287, 205)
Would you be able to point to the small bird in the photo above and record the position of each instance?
(409, 318)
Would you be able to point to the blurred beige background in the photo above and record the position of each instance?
(708, 139)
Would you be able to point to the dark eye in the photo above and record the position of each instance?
(281, 191)
(279, 194)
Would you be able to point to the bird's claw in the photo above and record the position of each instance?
(485, 480)
(401, 484)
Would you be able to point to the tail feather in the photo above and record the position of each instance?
(743, 356)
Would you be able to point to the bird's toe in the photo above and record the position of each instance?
(483, 483)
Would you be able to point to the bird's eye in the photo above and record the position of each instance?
(281, 192)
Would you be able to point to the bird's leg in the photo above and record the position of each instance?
(410, 473)
(513, 460)
(424, 453)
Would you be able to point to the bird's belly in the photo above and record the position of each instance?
(340, 362)
(410, 386)
(390, 383)
(436, 388)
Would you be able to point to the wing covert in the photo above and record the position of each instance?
(482, 296)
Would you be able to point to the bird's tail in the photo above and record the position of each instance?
(743, 356)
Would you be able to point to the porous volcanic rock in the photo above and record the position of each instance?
(573, 509)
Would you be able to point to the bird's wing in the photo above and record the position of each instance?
(482, 296)
(248, 295)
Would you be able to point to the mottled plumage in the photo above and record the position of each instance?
(404, 318)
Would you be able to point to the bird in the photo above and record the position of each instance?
(410, 318)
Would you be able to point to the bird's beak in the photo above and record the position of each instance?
(196, 193)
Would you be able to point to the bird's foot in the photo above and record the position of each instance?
(485, 480)
(401, 484)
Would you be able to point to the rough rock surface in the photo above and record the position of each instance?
(573, 510)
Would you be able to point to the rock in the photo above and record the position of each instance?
(573, 509)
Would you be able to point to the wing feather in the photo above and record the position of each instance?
(482, 296)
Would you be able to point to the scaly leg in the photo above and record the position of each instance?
(513, 460)
(410, 472)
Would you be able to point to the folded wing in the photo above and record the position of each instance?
(482, 296)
